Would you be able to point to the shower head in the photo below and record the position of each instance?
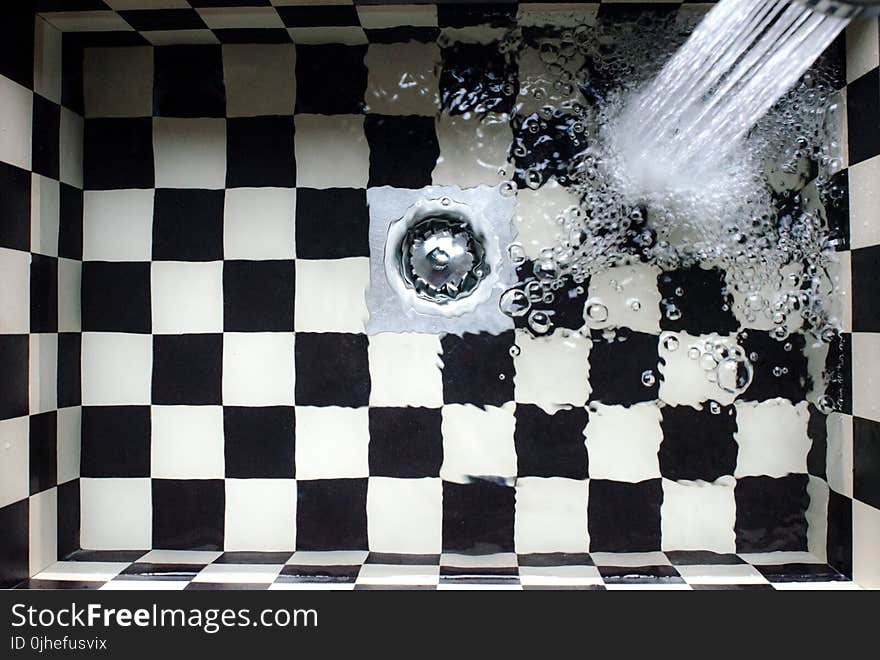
(845, 8)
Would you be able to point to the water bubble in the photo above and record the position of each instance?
(514, 302)
(634, 304)
(540, 322)
(595, 312)
(516, 253)
(501, 376)
(694, 353)
(669, 342)
(714, 408)
(507, 189)
(514, 350)
(673, 313)
(648, 378)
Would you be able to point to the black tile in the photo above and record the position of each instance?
(866, 461)
(564, 587)
(403, 150)
(394, 559)
(555, 559)
(116, 297)
(835, 201)
(72, 45)
(150, 571)
(617, 365)
(43, 451)
(551, 445)
(188, 514)
(188, 82)
(317, 16)
(478, 368)
(187, 370)
(14, 351)
(331, 79)
(259, 442)
(817, 432)
(405, 442)
(863, 116)
(838, 373)
(331, 514)
(697, 445)
(478, 517)
(865, 289)
(778, 371)
(479, 575)
(259, 152)
(14, 560)
(332, 369)
(188, 225)
(253, 558)
(702, 558)
(230, 3)
(258, 296)
(69, 369)
(394, 587)
(632, 12)
(68, 518)
(732, 587)
(252, 35)
(544, 148)
(115, 441)
(15, 208)
(17, 45)
(771, 513)
(477, 78)
(624, 517)
(332, 223)
(144, 20)
(800, 573)
(225, 586)
(78, 585)
(329, 574)
(70, 230)
(122, 556)
(701, 298)
(839, 538)
(118, 154)
(46, 137)
(640, 575)
(402, 34)
(44, 293)
(464, 14)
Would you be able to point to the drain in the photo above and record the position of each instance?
(436, 257)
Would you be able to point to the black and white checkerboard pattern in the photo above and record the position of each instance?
(40, 252)
(359, 570)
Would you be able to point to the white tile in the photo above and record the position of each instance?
(43, 372)
(259, 223)
(45, 213)
(866, 367)
(721, 574)
(551, 576)
(258, 369)
(259, 79)
(630, 297)
(552, 371)
(457, 586)
(190, 153)
(117, 225)
(331, 442)
(816, 586)
(71, 148)
(180, 557)
(331, 151)
(838, 277)
(331, 295)
(260, 515)
(69, 443)
(696, 515)
(478, 442)
(239, 573)
(402, 79)
(649, 587)
(864, 203)
(376, 17)
(569, 14)
(772, 438)
(187, 297)
(89, 571)
(311, 586)
(14, 460)
(15, 123)
(399, 575)
(622, 443)
(118, 82)
(768, 294)
(551, 515)
(493, 560)
(43, 530)
(473, 150)
(116, 514)
(124, 5)
(220, 18)
(180, 37)
(88, 21)
(187, 442)
(405, 370)
(816, 516)
(839, 453)
(144, 585)
(779, 557)
(536, 213)
(862, 50)
(684, 381)
(349, 35)
(69, 295)
(630, 559)
(866, 540)
(47, 60)
(15, 294)
(405, 515)
(116, 369)
(328, 558)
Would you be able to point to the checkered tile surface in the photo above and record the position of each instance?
(183, 570)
